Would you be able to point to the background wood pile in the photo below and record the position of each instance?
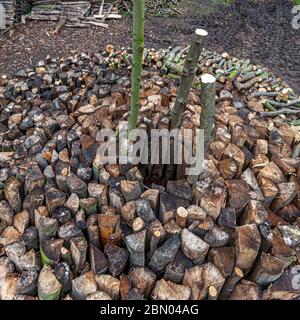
(14, 9)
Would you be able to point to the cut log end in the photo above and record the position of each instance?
(201, 32)
(208, 78)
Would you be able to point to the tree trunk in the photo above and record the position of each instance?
(138, 48)
(188, 76)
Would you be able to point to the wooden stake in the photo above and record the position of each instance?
(138, 48)
(188, 76)
(208, 94)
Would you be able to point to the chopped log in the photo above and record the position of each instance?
(171, 227)
(98, 295)
(51, 251)
(168, 206)
(98, 191)
(167, 290)
(125, 286)
(48, 286)
(181, 217)
(155, 239)
(211, 200)
(271, 171)
(227, 168)
(212, 293)
(216, 237)
(8, 288)
(223, 258)
(77, 186)
(287, 165)
(290, 234)
(286, 194)
(152, 195)
(200, 278)
(69, 230)
(143, 280)
(116, 199)
(89, 205)
(54, 198)
(128, 212)
(249, 177)
(144, 210)
(234, 152)
(267, 270)
(269, 190)
(109, 285)
(83, 286)
(289, 213)
(180, 189)
(165, 254)
(12, 193)
(78, 251)
(73, 202)
(117, 258)
(246, 290)
(281, 250)
(230, 283)
(138, 224)
(255, 212)
(247, 245)
(136, 246)
(6, 212)
(238, 191)
(195, 213)
(131, 190)
(285, 288)
(21, 221)
(63, 274)
(227, 218)
(175, 270)
(193, 247)
(80, 220)
(107, 226)
(203, 227)
(27, 283)
(47, 228)
(99, 262)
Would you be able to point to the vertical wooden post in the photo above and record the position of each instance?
(138, 48)
(208, 104)
(189, 71)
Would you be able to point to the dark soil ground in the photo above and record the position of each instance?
(262, 32)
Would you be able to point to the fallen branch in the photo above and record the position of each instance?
(60, 24)
(277, 113)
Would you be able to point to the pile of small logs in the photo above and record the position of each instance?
(73, 13)
(73, 229)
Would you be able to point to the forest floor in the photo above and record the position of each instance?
(262, 32)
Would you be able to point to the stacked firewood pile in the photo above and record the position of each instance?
(73, 229)
(14, 10)
(74, 13)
